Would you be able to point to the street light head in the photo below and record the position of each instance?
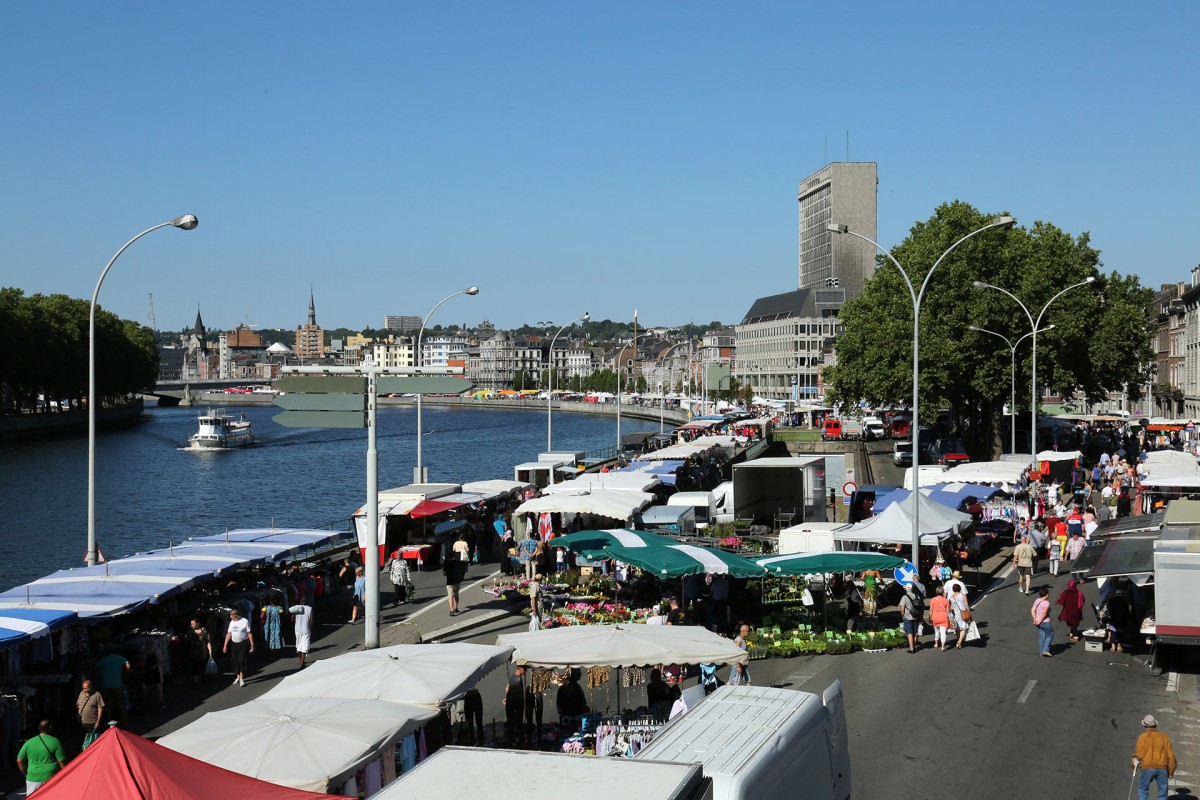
(1048, 328)
(980, 284)
(833, 227)
(586, 316)
(187, 222)
(1091, 279)
(474, 290)
(1005, 221)
(972, 327)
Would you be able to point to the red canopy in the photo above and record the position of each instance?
(427, 508)
(124, 765)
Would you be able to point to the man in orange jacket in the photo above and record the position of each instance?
(1154, 759)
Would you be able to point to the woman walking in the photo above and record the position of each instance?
(402, 581)
(239, 643)
(199, 649)
(1072, 604)
(939, 617)
(962, 613)
(1041, 620)
(360, 595)
(1054, 553)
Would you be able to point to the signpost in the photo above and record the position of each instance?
(346, 397)
(906, 574)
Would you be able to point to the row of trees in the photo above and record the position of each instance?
(46, 350)
(1101, 341)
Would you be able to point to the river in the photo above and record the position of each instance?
(150, 490)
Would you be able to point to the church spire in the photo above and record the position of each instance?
(312, 308)
(199, 328)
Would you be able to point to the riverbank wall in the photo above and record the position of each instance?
(26, 427)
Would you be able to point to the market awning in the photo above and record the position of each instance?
(1125, 555)
(677, 560)
(619, 505)
(621, 645)
(427, 508)
(494, 489)
(821, 563)
(591, 544)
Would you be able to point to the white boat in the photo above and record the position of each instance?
(218, 431)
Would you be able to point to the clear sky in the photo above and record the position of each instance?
(564, 156)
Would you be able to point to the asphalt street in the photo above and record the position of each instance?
(994, 720)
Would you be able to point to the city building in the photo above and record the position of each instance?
(784, 340)
(310, 338)
(1166, 381)
(239, 351)
(396, 352)
(842, 193)
(439, 350)
(404, 323)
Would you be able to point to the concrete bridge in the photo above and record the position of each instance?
(172, 393)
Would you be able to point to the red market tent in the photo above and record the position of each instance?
(124, 766)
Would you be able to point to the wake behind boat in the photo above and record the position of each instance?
(218, 431)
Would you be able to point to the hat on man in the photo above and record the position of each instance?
(1149, 721)
(956, 574)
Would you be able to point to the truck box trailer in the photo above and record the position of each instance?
(761, 743)
(765, 487)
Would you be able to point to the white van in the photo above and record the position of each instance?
(761, 743)
(808, 537)
(873, 429)
(723, 501)
(705, 504)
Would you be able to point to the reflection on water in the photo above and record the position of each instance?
(151, 488)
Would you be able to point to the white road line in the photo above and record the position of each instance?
(1028, 689)
(436, 604)
(1172, 681)
(1007, 571)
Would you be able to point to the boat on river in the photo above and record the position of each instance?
(219, 431)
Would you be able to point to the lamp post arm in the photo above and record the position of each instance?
(420, 362)
(1052, 299)
(550, 385)
(911, 291)
(997, 223)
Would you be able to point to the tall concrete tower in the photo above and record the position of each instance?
(844, 193)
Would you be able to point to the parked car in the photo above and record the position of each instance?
(873, 429)
(902, 454)
(949, 452)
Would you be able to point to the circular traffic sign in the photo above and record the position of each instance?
(905, 574)
(849, 488)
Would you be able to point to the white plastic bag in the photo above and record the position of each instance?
(972, 631)
(535, 624)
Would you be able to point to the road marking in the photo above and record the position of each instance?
(435, 604)
(1025, 694)
(1172, 681)
(469, 622)
(801, 677)
(1007, 571)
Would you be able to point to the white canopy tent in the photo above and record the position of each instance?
(496, 488)
(606, 481)
(1057, 455)
(894, 524)
(311, 743)
(685, 450)
(1170, 468)
(1007, 473)
(418, 674)
(621, 645)
(618, 505)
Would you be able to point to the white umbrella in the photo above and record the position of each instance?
(420, 674)
(310, 744)
(621, 645)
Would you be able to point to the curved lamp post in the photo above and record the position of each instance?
(1012, 346)
(662, 400)
(917, 297)
(419, 360)
(620, 369)
(1033, 330)
(187, 222)
(550, 384)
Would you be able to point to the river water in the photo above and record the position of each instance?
(150, 491)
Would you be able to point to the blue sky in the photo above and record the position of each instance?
(564, 156)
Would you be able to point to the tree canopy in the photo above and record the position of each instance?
(47, 350)
(1101, 340)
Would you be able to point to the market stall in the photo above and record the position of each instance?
(123, 764)
(311, 743)
(822, 563)
(591, 544)
(894, 526)
(678, 560)
(618, 505)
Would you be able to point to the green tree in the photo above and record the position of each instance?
(1100, 342)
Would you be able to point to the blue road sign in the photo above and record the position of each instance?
(905, 575)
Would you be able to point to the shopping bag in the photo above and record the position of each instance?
(920, 629)
(535, 624)
(211, 667)
(972, 631)
(88, 738)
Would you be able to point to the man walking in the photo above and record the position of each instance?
(909, 616)
(1023, 559)
(112, 669)
(40, 758)
(1154, 759)
(90, 708)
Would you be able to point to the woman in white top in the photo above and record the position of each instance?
(239, 642)
(658, 617)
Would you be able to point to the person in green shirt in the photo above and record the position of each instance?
(40, 758)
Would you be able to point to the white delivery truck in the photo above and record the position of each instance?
(873, 429)
(1177, 574)
(761, 743)
(479, 773)
(808, 537)
(704, 503)
(723, 498)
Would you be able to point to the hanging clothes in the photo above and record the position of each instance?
(545, 526)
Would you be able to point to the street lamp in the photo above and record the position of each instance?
(662, 400)
(419, 359)
(620, 369)
(1033, 328)
(917, 297)
(187, 222)
(1012, 346)
(550, 383)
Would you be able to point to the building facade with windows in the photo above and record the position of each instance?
(842, 193)
(310, 337)
(402, 323)
(783, 341)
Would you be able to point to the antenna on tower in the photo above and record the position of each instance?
(150, 313)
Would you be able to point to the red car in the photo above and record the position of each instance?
(949, 452)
